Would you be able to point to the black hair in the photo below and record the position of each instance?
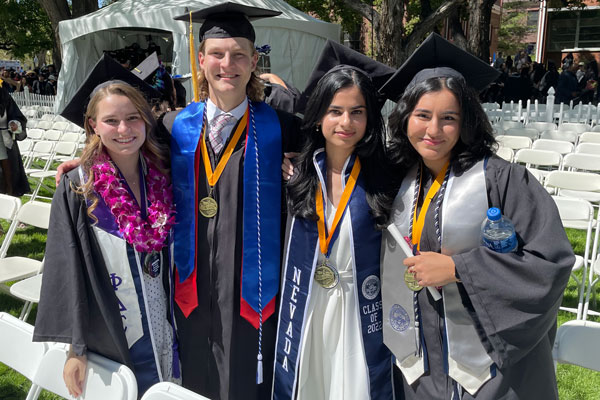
(370, 149)
(476, 135)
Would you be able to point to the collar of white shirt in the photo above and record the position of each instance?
(212, 110)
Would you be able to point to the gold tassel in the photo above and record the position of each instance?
(194, 64)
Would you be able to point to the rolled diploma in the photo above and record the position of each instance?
(407, 250)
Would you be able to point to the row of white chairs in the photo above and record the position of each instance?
(27, 272)
(578, 213)
(535, 111)
(562, 147)
(42, 364)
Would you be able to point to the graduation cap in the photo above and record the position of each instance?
(335, 57)
(436, 57)
(228, 20)
(106, 69)
(147, 67)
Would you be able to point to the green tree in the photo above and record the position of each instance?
(513, 27)
(24, 28)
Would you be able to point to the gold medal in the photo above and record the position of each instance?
(326, 275)
(411, 281)
(208, 207)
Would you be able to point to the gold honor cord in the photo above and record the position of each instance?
(193, 63)
(326, 275)
(208, 206)
(419, 222)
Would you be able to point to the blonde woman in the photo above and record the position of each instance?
(107, 282)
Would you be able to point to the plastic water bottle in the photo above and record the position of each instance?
(498, 232)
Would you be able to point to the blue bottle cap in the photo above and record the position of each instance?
(494, 214)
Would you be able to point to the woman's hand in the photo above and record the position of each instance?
(432, 269)
(74, 374)
(287, 167)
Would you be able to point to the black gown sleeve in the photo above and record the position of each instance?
(516, 296)
(291, 139)
(77, 303)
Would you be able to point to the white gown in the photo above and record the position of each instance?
(332, 359)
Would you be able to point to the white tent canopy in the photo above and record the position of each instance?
(296, 39)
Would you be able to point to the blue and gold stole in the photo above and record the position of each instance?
(302, 255)
(262, 207)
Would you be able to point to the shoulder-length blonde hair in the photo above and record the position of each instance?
(93, 145)
(255, 89)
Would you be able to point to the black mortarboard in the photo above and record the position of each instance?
(437, 57)
(146, 67)
(106, 69)
(336, 56)
(227, 20)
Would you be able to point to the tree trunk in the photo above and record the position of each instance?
(83, 7)
(458, 34)
(480, 13)
(389, 31)
(57, 11)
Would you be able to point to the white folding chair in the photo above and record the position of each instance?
(514, 142)
(17, 350)
(9, 207)
(44, 124)
(541, 126)
(28, 290)
(533, 134)
(170, 391)
(582, 185)
(589, 137)
(560, 146)
(15, 268)
(578, 343)
(533, 159)
(589, 148)
(568, 136)
(505, 153)
(69, 136)
(596, 128)
(60, 125)
(506, 125)
(582, 162)
(105, 379)
(577, 127)
(48, 117)
(35, 134)
(63, 151)
(578, 214)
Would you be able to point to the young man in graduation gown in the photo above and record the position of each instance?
(227, 189)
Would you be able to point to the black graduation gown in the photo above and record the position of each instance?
(513, 298)
(218, 347)
(78, 304)
(20, 184)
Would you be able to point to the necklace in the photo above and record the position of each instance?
(144, 235)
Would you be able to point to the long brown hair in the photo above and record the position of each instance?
(93, 145)
(255, 89)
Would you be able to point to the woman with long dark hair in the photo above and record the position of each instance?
(485, 325)
(329, 343)
(13, 180)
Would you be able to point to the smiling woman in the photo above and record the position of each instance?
(329, 343)
(107, 249)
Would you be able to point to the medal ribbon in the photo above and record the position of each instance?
(213, 177)
(324, 239)
(419, 222)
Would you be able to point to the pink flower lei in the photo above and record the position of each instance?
(144, 235)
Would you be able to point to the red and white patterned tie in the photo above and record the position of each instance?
(217, 141)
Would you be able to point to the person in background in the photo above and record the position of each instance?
(108, 250)
(466, 322)
(567, 88)
(13, 180)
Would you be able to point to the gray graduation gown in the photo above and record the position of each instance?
(513, 298)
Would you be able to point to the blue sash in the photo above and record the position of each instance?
(302, 255)
(262, 201)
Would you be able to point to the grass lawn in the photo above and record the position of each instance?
(574, 383)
